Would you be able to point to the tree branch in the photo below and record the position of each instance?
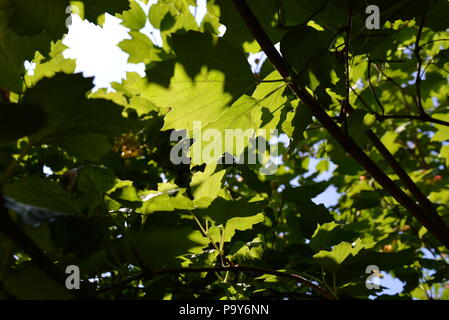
(405, 178)
(372, 88)
(236, 268)
(418, 71)
(425, 118)
(441, 232)
(432, 41)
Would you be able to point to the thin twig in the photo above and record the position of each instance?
(425, 118)
(362, 100)
(372, 89)
(223, 257)
(235, 268)
(418, 71)
(432, 41)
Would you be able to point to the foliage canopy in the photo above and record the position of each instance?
(373, 102)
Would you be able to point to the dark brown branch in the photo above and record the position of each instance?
(405, 178)
(235, 268)
(388, 60)
(348, 144)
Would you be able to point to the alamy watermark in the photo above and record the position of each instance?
(372, 22)
(72, 9)
(373, 280)
(214, 146)
(72, 282)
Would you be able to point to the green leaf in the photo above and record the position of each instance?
(115, 214)
(31, 17)
(300, 122)
(207, 186)
(47, 67)
(294, 42)
(167, 198)
(77, 235)
(389, 140)
(322, 166)
(30, 283)
(134, 18)
(162, 15)
(140, 48)
(15, 50)
(310, 216)
(245, 252)
(244, 115)
(357, 127)
(94, 9)
(442, 133)
(232, 225)
(165, 202)
(42, 193)
(303, 194)
(92, 183)
(339, 255)
(305, 49)
(272, 100)
(170, 16)
(202, 86)
(329, 234)
(299, 11)
(230, 216)
(141, 105)
(236, 31)
(19, 120)
(163, 242)
(386, 261)
(444, 153)
(126, 194)
(221, 210)
(345, 164)
(69, 113)
(367, 199)
(211, 21)
(88, 147)
(436, 16)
